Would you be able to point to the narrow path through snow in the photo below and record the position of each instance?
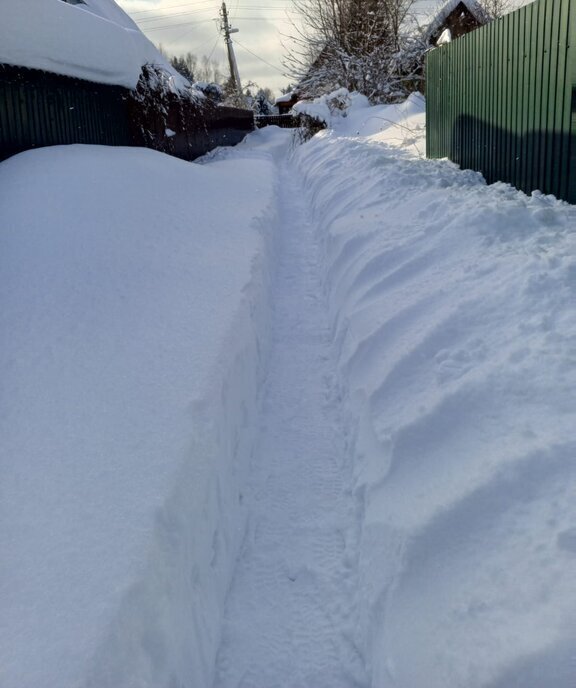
(290, 615)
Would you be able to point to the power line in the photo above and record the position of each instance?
(170, 16)
(161, 17)
(235, 10)
(176, 26)
(180, 23)
(197, 48)
(194, 9)
(214, 47)
(260, 58)
(267, 19)
(171, 7)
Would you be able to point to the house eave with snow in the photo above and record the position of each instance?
(456, 17)
(92, 40)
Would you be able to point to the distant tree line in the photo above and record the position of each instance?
(198, 69)
(208, 74)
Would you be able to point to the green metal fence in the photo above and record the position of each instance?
(502, 99)
(42, 109)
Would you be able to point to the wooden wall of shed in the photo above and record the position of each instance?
(460, 22)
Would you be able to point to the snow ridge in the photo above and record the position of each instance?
(452, 304)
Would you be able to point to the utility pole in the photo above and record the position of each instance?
(227, 30)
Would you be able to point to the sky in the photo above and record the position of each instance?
(263, 38)
(194, 25)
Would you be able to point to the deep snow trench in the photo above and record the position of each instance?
(291, 613)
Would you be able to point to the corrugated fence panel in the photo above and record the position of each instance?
(42, 109)
(571, 98)
(502, 99)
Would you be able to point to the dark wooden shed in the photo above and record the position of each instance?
(459, 17)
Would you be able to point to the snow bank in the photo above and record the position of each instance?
(133, 323)
(350, 115)
(96, 41)
(402, 125)
(454, 318)
(331, 107)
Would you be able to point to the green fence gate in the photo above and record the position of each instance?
(502, 99)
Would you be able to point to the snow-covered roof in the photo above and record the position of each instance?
(94, 40)
(286, 98)
(447, 8)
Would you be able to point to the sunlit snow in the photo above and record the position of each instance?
(298, 416)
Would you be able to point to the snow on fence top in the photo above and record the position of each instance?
(95, 40)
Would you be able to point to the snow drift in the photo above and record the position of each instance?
(133, 331)
(454, 319)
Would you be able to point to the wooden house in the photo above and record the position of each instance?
(454, 19)
(286, 102)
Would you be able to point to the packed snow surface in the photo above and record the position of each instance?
(95, 40)
(319, 435)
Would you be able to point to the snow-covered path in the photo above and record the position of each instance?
(320, 435)
(290, 614)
